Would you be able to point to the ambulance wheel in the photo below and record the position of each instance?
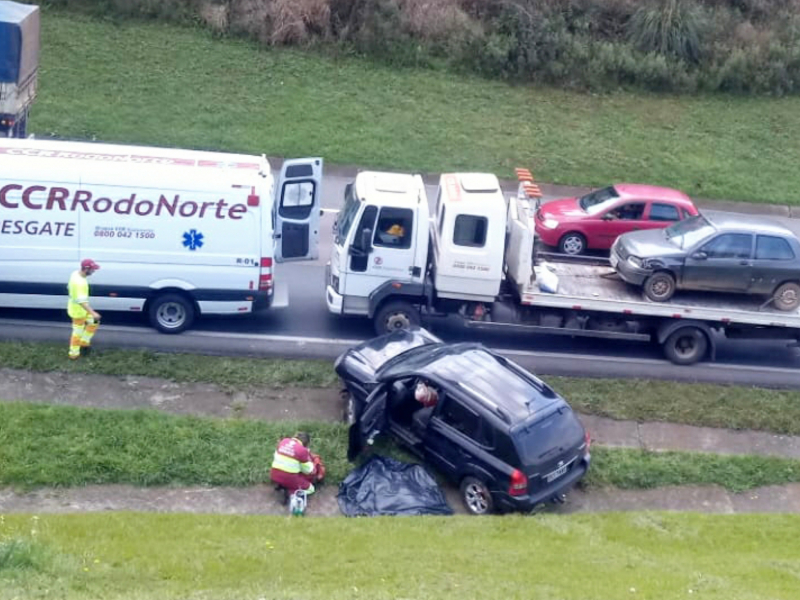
(171, 313)
(394, 316)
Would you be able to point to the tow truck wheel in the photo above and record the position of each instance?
(394, 316)
(476, 496)
(686, 346)
(787, 296)
(171, 313)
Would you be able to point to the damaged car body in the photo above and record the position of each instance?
(501, 434)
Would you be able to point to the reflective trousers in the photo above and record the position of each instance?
(292, 481)
(83, 330)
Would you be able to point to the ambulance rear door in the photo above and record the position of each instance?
(296, 210)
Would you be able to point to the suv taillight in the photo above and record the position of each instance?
(519, 483)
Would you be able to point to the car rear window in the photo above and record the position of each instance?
(560, 428)
(663, 212)
(773, 248)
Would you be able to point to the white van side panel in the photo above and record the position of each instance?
(153, 218)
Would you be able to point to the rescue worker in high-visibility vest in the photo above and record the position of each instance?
(85, 320)
(293, 464)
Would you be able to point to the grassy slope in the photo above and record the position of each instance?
(608, 557)
(734, 407)
(57, 445)
(157, 84)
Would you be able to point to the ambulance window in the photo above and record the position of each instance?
(297, 199)
(394, 228)
(470, 231)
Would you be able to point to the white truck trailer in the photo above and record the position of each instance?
(19, 65)
(476, 257)
(177, 233)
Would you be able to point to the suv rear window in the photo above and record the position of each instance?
(561, 427)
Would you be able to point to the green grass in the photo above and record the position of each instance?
(66, 446)
(581, 557)
(709, 405)
(736, 407)
(230, 373)
(638, 469)
(161, 85)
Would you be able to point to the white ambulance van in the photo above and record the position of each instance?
(177, 233)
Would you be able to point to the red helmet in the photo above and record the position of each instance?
(88, 263)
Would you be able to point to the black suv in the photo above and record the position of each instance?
(504, 436)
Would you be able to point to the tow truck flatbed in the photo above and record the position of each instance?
(598, 288)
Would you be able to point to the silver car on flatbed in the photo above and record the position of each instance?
(715, 251)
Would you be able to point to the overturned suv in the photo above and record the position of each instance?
(502, 435)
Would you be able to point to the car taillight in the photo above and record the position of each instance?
(519, 483)
(588, 440)
(265, 275)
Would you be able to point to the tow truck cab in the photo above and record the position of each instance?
(393, 251)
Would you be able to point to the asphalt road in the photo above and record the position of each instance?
(306, 329)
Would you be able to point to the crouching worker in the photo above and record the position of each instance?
(294, 467)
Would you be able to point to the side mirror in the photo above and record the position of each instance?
(608, 217)
(700, 255)
(366, 240)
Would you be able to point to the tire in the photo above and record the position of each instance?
(476, 497)
(686, 346)
(171, 313)
(659, 287)
(572, 243)
(394, 316)
(787, 296)
(348, 407)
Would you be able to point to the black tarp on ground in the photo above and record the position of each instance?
(385, 486)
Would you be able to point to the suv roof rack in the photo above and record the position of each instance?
(491, 404)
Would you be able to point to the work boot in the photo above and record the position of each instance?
(86, 350)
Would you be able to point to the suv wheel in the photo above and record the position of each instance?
(476, 496)
(348, 404)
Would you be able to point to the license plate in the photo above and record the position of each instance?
(557, 473)
(614, 260)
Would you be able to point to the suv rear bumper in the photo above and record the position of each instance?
(559, 487)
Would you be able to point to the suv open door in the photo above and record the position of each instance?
(369, 421)
(296, 210)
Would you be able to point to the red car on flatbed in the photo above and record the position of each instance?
(594, 221)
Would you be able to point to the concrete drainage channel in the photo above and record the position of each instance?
(263, 500)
